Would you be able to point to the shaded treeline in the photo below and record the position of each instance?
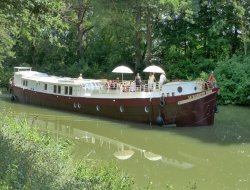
(188, 38)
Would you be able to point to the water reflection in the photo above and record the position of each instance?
(121, 150)
(124, 154)
(211, 157)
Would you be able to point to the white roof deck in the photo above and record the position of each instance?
(43, 77)
(96, 88)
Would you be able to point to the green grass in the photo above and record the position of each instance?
(30, 160)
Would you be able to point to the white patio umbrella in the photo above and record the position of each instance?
(153, 69)
(122, 69)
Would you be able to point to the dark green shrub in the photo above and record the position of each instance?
(233, 77)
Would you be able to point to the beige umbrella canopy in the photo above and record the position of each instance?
(152, 156)
(124, 154)
(122, 69)
(153, 69)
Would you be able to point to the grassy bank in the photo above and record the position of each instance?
(29, 160)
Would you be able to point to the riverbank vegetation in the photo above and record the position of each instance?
(187, 38)
(30, 160)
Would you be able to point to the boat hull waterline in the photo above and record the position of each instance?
(196, 112)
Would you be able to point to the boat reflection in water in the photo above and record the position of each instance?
(124, 151)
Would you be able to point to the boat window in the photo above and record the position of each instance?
(66, 89)
(99, 86)
(91, 86)
(59, 89)
(45, 86)
(179, 89)
(87, 86)
(54, 89)
(70, 90)
(25, 83)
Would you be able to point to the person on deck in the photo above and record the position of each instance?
(151, 80)
(137, 80)
(162, 80)
(211, 81)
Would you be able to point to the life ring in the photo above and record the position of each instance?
(97, 108)
(121, 109)
(146, 109)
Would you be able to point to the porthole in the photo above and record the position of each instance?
(98, 108)
(146, 109)
(179, 89)
(121, 109)
(195, 88)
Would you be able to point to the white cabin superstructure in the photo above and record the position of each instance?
(42, 82)
(25, 78)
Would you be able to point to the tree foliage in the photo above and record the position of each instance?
(234, 80)
(185, 37)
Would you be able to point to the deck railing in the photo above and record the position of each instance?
(130, 86)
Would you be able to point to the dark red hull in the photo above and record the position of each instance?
(197, 112)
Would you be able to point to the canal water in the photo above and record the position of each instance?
(216, 157)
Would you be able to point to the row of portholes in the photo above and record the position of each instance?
(179, 89)
(98, 108)
(146, 109)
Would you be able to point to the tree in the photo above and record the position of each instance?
(138, 34)
(7, 31)
(78, 14)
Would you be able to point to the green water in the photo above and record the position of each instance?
(215, 157)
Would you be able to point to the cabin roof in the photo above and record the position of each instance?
(43, 77)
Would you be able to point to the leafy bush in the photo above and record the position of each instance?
(29, 160)
(5, 75)
(233, 77)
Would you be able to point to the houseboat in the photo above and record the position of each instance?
(177, 103)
